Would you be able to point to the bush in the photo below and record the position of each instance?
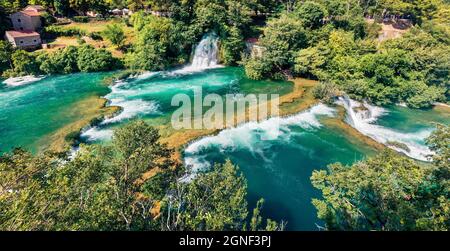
(95, 36)
(80, 19)
(47, 19)
(115, 34)
(256, 69)
(74, 59)
(92, 60)
(24, 63)
(55, 31)
(326, 92)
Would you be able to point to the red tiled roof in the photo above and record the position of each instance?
(35, 8)
(252, 40)
(17, 34)
(31, 13)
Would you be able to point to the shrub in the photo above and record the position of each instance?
(326, 91)
(47, 19)
(80, 19)
(115, 34)
(92, 60)
(55, 31)
(95, 36)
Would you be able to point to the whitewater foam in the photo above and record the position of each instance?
(18, 81)
(97, 134)
(414, 141)
(131, 108)
(253, 135)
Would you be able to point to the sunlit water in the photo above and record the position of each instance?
(277, 161)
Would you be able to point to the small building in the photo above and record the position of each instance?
(24, 39)
(117, 12)
(29, 19)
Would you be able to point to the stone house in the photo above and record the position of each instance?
(25, 24)
(29, 19)
(24, 39)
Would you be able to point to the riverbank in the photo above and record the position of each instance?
(91, 111)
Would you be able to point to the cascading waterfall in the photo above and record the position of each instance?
(362, 116)
(205, 55)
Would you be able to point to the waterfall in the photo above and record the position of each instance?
(363, 116)
(205, 55)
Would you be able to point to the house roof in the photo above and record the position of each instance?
(19, 34)
(252, 40)
(35, 8)
(31, 13)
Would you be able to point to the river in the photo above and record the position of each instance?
(277, 168)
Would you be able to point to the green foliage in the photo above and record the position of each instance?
(388, 191)
(412, 69)
(88, 5)
(96, 36)
(439, 142)
(92, 60)
(80, 19)
(74, 59)
(326, 92)
(94, 191)
(103, 188)
(160, 44)
(61, 7)
(23, 63)
(115, 34)
(55, 31)
(232, 46)
(311, 13)
(213, 200)
(47, 19)
(6, 51)
(61, 62)
(282, 38)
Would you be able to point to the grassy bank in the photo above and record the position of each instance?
(90, 111)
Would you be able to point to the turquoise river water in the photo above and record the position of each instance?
(277, 162)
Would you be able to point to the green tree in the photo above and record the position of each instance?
(282, 38)
(388, 191)
(100, 189)
(24, 63)
(6, 51)
(92, 60)
(115, 34)
(61, 7)
(213, 200)
(311, 13)
(61, 62)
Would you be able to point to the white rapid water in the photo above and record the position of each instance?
(130, 109)
(253, 135)
(362, 116)
(18, 81)
(205, 55)
(95, 133)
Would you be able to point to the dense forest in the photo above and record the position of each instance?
(328, 40)
(134, 184)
